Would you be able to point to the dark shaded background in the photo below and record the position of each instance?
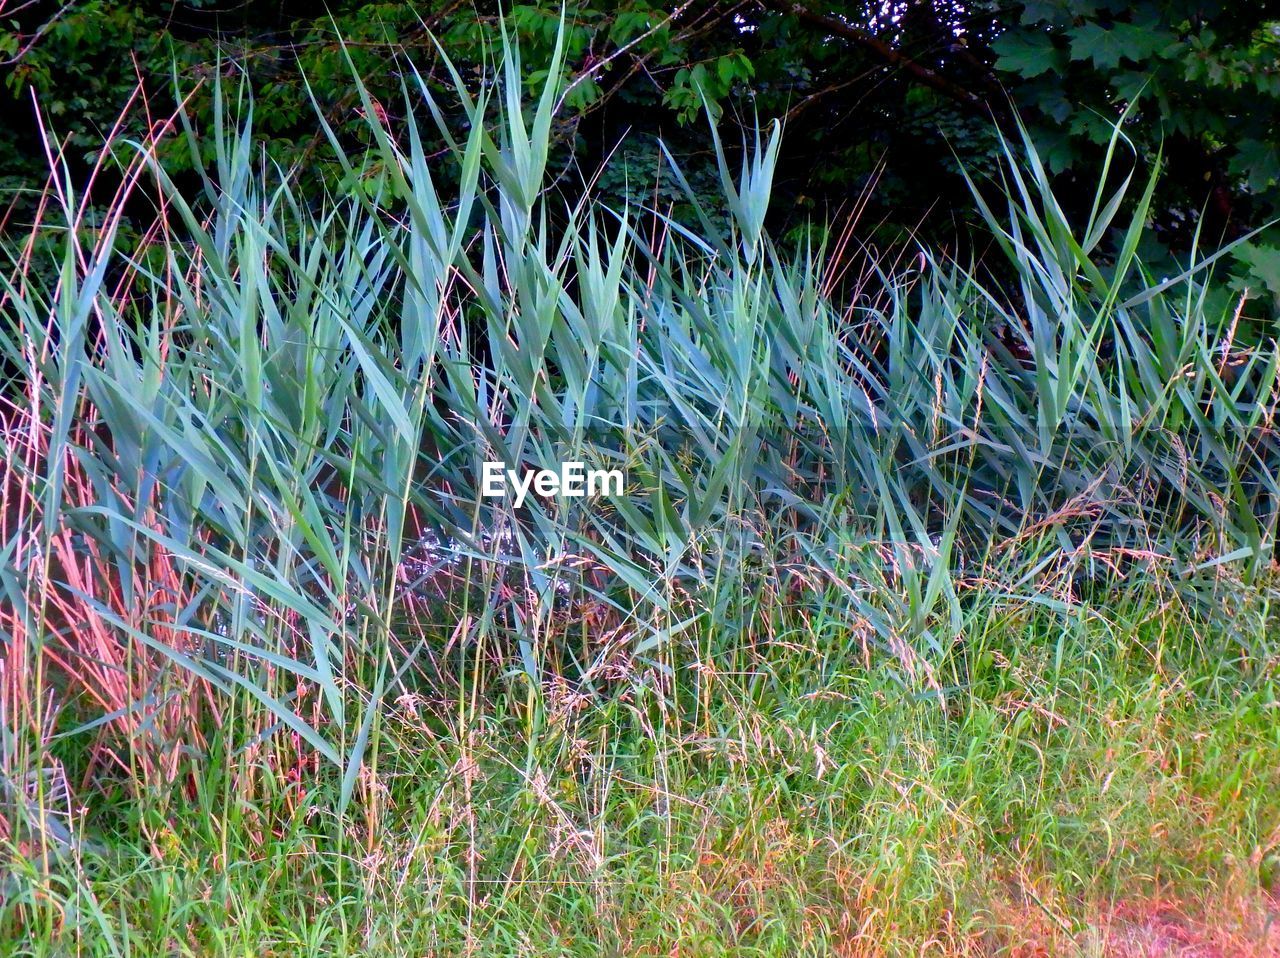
(883, 102)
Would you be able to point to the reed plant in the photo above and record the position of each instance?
(242, 503)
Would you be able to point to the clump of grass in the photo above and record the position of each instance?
(246, 559)
(1074, 790)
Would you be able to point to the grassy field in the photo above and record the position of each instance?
(935, 616)
(1099, 785)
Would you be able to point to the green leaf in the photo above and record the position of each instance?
(1262, 265)
(1027, 52)
(1107, 46)
(1258, 161)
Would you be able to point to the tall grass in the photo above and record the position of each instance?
(242, 483)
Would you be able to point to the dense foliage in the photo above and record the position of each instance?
(892, 93)
(929, 604)
(279, 410)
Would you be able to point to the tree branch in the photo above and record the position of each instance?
(885, 51)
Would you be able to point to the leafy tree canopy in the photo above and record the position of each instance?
(895, 95)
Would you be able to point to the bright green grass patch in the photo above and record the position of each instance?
(807, 806)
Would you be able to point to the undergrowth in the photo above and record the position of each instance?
(798, 803)
(931, 614)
